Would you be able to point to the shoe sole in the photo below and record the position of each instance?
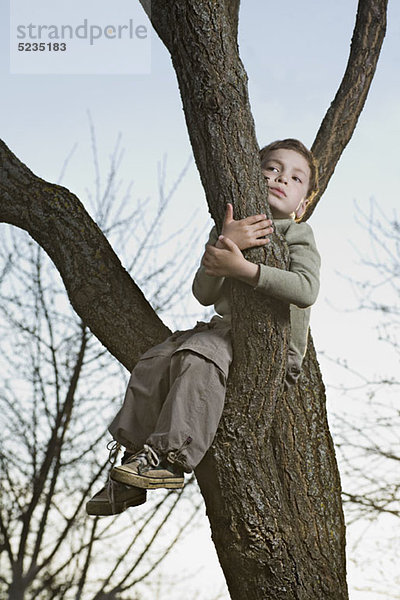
(145, 482)
(104, 509)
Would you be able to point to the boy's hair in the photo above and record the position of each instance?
(297, 146)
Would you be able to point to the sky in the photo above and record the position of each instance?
(295, 54)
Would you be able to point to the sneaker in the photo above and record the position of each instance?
(146, 470)
(114, 498)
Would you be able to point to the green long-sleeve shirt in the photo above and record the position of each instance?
(298, 286)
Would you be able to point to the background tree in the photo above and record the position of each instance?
(367, 435)
(271, 463)
(54, 405)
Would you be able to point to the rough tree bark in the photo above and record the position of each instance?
(270, 481)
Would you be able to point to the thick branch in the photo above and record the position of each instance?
(201, 37)
(342, 116)
(100, 290)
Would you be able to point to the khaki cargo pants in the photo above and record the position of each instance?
(175, 396)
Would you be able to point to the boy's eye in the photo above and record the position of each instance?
(297, 179)
(271, 168)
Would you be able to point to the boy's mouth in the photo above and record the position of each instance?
(278, 191)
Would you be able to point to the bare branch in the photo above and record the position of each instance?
(341, 119)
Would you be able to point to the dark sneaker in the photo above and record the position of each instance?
(114, 498)
(145, 470)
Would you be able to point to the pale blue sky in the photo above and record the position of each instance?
(295, 54)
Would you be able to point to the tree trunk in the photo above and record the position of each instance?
(17, 590)
(273, 497)
(254, 480)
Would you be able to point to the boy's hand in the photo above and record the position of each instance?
(248, 232)
(228, 261)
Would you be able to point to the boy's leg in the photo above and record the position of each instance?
(144, 397)
(190, 415)
(145, 392)
(186, 424)
(153, 380)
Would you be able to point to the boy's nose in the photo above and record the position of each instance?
(282, 178)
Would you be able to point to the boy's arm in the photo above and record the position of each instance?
(299, 285)
(206, 288)
(226, 260)
(246, 233)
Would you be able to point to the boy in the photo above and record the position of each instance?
(176, 392)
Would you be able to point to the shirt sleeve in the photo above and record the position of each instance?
(300, 284)
(207, 288)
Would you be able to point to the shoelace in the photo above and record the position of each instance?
(173, 456)
(113, 448)
(145, 457)
(111, 493)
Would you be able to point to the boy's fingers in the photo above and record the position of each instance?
(227, 242)
(263, 234)
(262, 227)
(228, 213)
(256, 218)
(223, 240)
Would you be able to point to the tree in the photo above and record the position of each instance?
(54, 404)
(270, 481)
(367, 437)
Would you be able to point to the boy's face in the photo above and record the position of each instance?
(288, 176)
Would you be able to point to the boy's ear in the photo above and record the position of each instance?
(301, 209)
